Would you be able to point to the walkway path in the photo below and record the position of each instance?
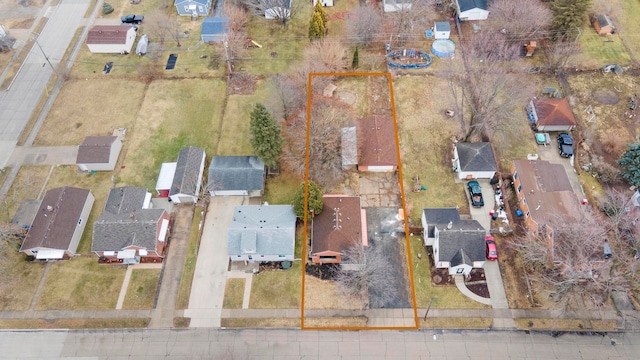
(127, 279)
(462, 287)
(172, 272)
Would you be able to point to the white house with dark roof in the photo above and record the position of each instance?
(193, 7)
(459, 246)
(99, 153)
(262, 233)
(111, 39)
(129, 230)
(432, 217)
(472, 9)
(236, 176)
(474, 160)
(59, 223)
(187, 179)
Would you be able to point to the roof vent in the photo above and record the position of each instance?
(449, 225)
(132, 216)
(49, 208)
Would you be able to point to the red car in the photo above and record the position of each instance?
(492, 250)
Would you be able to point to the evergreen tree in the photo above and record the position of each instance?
(323, 14)
(568, 16)
(315, 200)
(630, 165)
(265, 136)
(316, 27)
(354, 63)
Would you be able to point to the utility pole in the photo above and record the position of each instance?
(44, 54)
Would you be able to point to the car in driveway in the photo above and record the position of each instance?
(475, 193)
(565, 145)
(132, 19)
(492, 249)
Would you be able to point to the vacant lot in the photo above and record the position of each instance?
(81, 284)
(141, 293)
(174, 114)
(81, 110)
(325, 294)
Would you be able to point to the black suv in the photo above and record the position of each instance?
(565, 144)
(132, 19)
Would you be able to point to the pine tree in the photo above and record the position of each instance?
(315, 200)
(265, 136)
(316, 27)
(354, 63)
(323, 14)
(568, 15)
(630, 165)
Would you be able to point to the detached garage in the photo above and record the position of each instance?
(377, 144)
(236, 176)
(474, 160)
(111, 39)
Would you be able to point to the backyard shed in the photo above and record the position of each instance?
(377, 144)
(442, 30)
(111, 39)
(98, 153)
(603, 25)
(552, 114)
(165, 179)
(214, 29)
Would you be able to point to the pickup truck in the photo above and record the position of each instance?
(132, 19)
(476, 193)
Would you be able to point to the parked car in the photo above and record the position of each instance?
(476, 193)
(132, 19)
(565, 144)
(492, 250)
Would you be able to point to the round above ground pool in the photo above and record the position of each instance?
(443, 48)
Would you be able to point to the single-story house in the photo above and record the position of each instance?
(129, 230)
(187, 179)
(441, 30)
(469, 10)
(278, 9)
(237, 176)
(99, 153)
(111, 39)
(459, 247)
(165, 179)
(349, 148)
(552, 114)
(340, 226)
(542, 189)
(325, 3)
(396, 5)
(603, 25)
(377, 144)
(474, 160)
(59, 223)
(214, 29)
(193, 7)
(262, 233)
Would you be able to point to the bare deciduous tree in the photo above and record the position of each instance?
(622, 223)
(369, 271)
(557, 54)
(159, 25)
(364, 25)
(409, 22)
(281, 10)
(326, 55)
(287, 97)
(520, 20)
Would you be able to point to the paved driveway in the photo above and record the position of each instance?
(551, 154)
(209, 280)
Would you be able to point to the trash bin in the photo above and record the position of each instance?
(518, 212)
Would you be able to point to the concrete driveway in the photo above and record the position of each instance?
(551, 154)
(209, 280)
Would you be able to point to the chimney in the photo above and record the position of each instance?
(132, 216)
(49, 208)
(449, 225)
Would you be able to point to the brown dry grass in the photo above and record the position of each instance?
(74, 323)
(233, 294)
(261, 322)
(336, 322)
(18, 278)
(81, 284)
(95, 108)
(324, 294)
(141, 293)
(456, 323)
(26, 185)
(566, 324)
(181, 322)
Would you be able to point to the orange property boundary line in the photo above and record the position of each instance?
(404, 206)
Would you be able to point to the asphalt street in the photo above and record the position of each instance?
(18, 102)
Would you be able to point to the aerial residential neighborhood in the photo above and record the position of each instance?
(320, 165)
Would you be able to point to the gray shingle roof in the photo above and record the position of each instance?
(463, 243)
(476, 156)
(263, 229)
(95, 150)
(472, 4)
(439, 216)
(124, 222)
(236, 173)
(185, 180)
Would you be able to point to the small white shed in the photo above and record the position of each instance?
(442, 30)
(324, 3)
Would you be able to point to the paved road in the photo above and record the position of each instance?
(17, 103)
(297, 344)
(210, 278)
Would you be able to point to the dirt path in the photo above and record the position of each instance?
(165, 307)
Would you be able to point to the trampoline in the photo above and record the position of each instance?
(443, 48)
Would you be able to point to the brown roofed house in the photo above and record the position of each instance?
(59, 223)
(553, 114)
(111, 39)
(99, 153)
(337, 228)
(377, 144)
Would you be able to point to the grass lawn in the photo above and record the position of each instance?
(233, 294)
(26, 185)
(141, 293)
(456, 323)
(324, 294)
(18, 278)
(426, 144)
(630, 26)
(596, 50)
(182, 302)
(81, 284)
(235, 134)
(82, 109)
(131, 323)
(279, 289)
(261, 323)
(99, 184)
(173, 115)
(281, 189)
